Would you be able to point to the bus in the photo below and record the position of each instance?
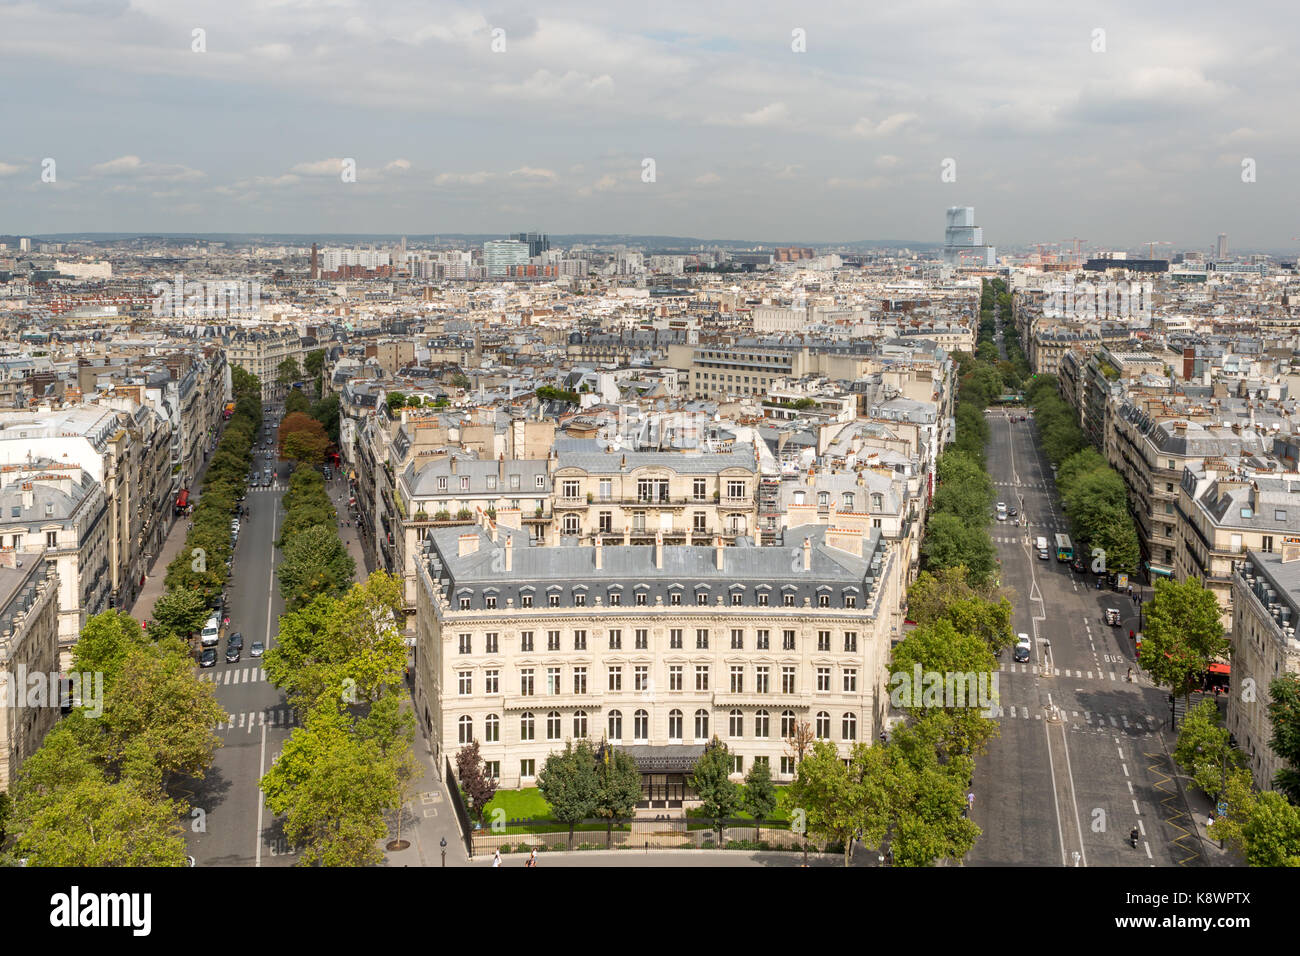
(1064, 548)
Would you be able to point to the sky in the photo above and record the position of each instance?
(1117, 123)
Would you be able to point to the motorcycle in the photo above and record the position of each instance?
(1133, 838)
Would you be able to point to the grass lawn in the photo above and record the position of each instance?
(525, 804)
(779, 817)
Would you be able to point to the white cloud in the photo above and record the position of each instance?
(463, 179)
(133, 167)
(891, 124)
(9, 169)
(533, 175)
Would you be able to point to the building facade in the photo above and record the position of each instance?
(653, 649)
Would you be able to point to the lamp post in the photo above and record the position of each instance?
(443, 844)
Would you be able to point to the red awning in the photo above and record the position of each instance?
(1217, 668)
(183, 498)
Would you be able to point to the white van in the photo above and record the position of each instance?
(211, 633)
(1041, 545)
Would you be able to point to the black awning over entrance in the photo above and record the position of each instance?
(671, 758)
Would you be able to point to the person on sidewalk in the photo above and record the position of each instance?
(532, 857)
(496, 858)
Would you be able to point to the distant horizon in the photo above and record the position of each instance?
(566, 239)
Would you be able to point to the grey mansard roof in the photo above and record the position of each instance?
(567, 570)
(589, 455)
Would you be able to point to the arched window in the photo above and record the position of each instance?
(526, 726)
(492, 729)
(823, 725)
(466, 725)
(736, 724)
(675, 726)
(701, 726)
(553, 725)
(641, 726)
(850, 727)
(787, 723)
(762, 724)
(579, 724)
(615, 725)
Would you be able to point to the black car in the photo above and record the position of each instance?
(235, 640)
(208, 658)
(232, 654)
(1012, 513)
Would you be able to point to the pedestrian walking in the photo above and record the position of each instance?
(532, 857)
(496, 858)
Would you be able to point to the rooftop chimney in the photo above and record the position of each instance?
(627, 533)
(807, 554)
(510, 553)
(501, 468)
(718, 552)
(659, 550)
(453, 464)
(467, 544)
(600, 552)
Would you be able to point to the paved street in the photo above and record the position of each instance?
(1083, 756)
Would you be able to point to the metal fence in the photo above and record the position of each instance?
(520, 836)
(458, 804)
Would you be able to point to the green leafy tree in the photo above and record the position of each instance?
(1184, 633)
(759, 798)
(1204, 750)
(396, 401)
(569, 784)
(950, 541)
(296, 401)
(96, 823)
(178, 613)
(1284, 715)
(841, 801)
(928, 794)
(314, 562)
(333, 790)
(288, 371)
(105, 642)
(949, 661)
(326, 411)
(313, 362)
(719, 796)
(618, 788)
(157, 718)
(245, 384)
(1263, 828)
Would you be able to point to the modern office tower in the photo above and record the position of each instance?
(1221, 248)
(538, 242)
(24, 245)
(963, 241)
(500, 254)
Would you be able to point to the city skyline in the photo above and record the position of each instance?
(1136, 132)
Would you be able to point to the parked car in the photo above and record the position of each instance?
(256, 649)
(208, 658)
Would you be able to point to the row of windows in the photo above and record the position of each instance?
(552, 726)
(642, 681)
(539, 481)
(641, 599)
(641, 640)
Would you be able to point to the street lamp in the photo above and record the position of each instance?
(443, 844)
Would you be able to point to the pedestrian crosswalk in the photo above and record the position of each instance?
(278, 486)
(1076, 673)
(1085, 721)
(234, 675)
(281, 715)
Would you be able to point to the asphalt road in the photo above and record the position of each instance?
(237, 829)
(1081, 759)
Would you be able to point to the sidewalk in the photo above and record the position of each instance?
(338, 491)
(429, 817)
(142, 608)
